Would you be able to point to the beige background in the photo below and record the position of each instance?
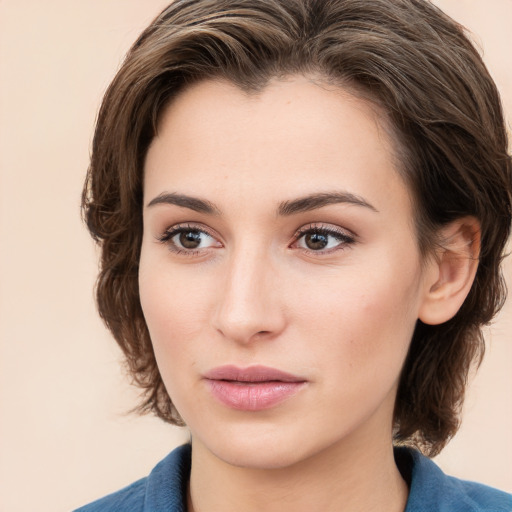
(64, 437)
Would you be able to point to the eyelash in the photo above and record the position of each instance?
(344, 238)
(166, 238)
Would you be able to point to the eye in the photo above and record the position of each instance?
(315, 238)
(188, 239)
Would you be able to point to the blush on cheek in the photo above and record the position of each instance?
(377, 326)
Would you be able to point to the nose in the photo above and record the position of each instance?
(249, 308)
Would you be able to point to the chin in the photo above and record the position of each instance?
(252, 455)
(261, 447)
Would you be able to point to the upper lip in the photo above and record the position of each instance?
(256, 373)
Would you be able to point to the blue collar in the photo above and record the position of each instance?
(430, 490)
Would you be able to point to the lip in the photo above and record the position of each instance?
(254, 388)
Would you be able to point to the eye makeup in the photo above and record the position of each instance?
(322, 239)
(188, 239)
(316, 238)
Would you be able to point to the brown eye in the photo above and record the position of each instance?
(316, 241)
(323, 240)
(190, 239)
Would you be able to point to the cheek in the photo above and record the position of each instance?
(174, 310)
(174, 316)
(359, 350)
(365, 318)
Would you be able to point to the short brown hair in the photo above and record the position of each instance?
(406, 56)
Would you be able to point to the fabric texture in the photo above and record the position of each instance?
(430, 490)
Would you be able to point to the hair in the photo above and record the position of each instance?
(407, 57)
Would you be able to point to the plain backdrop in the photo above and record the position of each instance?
(65, 437)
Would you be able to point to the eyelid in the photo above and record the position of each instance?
(326, 228)
(346, 237)
(170, 232)
(184, 226)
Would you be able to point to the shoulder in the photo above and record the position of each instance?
(128, 498)
(163, 490)
(432, 490)
(483, 498)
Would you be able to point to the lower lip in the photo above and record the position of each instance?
(253, 396)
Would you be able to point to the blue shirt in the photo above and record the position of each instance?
(430, 490)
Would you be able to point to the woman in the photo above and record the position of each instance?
(302, 208)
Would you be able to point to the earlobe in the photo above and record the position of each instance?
(451, 271)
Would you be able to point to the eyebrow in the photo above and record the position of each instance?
(286, 208)
(314, 201)
(192, 203)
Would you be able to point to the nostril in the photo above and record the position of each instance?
(260, 334)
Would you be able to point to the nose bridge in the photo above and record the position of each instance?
(248, 305)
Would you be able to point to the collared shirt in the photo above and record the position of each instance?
(430, 490)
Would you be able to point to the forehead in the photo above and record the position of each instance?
(292, 138)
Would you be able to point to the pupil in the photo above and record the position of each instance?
(316, 241)
(190, 239)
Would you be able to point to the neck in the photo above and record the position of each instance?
(342, 478)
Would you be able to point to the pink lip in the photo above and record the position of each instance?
(252, 389)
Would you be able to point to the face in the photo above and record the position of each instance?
(280, 275)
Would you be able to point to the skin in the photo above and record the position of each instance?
(253, 291)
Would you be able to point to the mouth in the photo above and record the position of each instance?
(254, 388)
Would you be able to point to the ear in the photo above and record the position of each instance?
(451, 271)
